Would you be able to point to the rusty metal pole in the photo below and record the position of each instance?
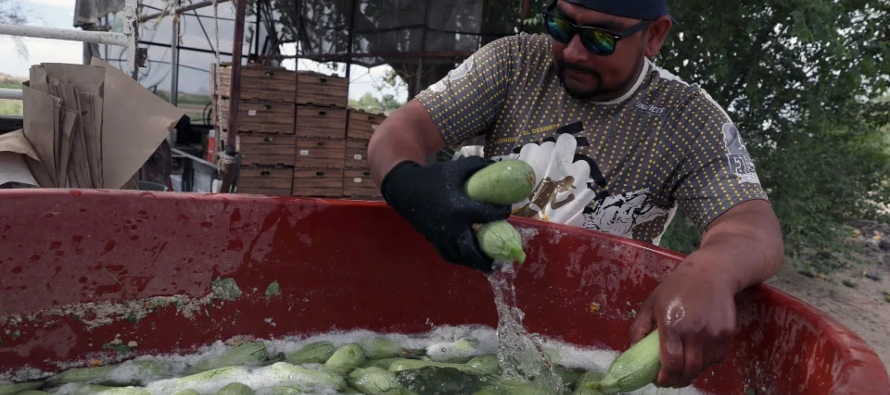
(234, 99)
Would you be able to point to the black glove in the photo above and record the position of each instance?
(432, 199)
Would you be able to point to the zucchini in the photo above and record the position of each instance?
(252, 353)
(380, 347)
(501, 242)
(11, 389)
(235, 388)
(507, 182)
(633, 369)
(582, 381)
(78, 388)
(285, 374)
(188, 392)
(504, 183)
(315, 352)
(282, 390)
(376, 381)
(347, 357)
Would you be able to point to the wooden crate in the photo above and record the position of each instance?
(318, 182)
(322, 90)
(356, 154)
(266, 180)
(320, 153)
(267, 149)
(362, 124)
(319, 122)
(255, 116)
(358, 183)
(258, 83)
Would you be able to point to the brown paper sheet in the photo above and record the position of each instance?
(90, 82)
(41, 115)
(87, 127)
(15, 142)
(134, 122)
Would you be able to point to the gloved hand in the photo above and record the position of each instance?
(432, 199)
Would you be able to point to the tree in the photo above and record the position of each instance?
(11, 12)
(801, 79)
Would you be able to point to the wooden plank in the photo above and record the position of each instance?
(361, 124)
(358, 182)
(318, 182)
(257, 116)
(267, 149)
(322, 90)
(356, 154)
(257, 178)
(320, 153)
(318, 122)
(260, 83)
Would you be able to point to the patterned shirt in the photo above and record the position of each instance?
(620, 167)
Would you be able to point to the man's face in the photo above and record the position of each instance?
(586, 75)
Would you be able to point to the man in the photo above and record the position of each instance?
(617, 144)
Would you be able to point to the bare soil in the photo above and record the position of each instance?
(857, 296)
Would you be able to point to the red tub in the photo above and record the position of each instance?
(81, 273)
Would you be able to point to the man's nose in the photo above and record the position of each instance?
(575, 52)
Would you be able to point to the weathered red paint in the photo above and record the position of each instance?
(347, 265)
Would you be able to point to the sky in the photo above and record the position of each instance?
(193, 79)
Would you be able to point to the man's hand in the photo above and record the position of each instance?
(432, 199)
(694, 307)
(694, 311)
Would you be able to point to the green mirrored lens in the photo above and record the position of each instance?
(598, 41)
(559, 29)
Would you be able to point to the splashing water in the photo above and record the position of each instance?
(520, 355)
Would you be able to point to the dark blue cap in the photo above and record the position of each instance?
(637, 9)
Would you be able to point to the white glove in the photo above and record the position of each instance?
(469, 150)
(561, 193)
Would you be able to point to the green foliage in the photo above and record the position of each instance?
(800, 78)
(372, 104)
(11, 107)
(681, 235)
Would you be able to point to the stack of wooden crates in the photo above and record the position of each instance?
(296, 135)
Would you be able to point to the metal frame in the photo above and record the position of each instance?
(126, 39)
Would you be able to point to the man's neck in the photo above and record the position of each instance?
(629, 88)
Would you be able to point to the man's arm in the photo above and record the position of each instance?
(693, 308)
(409, 133)
(460, 106)
(463, 104)
(744, 244)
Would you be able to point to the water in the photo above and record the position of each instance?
(520, 355)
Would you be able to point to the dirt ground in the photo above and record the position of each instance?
(856, 296)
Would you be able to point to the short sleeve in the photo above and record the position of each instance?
(465, 103)
(717, 172)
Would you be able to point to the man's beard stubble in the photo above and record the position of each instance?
(598, 90)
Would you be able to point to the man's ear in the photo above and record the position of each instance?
(657, 33)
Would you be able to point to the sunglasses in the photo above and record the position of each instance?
(597, 40)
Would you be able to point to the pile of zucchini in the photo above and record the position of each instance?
(376, 365)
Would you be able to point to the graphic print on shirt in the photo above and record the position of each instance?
(737, 156)
(455, 74)
(562, 192)
(567, 186)
(620, 214)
